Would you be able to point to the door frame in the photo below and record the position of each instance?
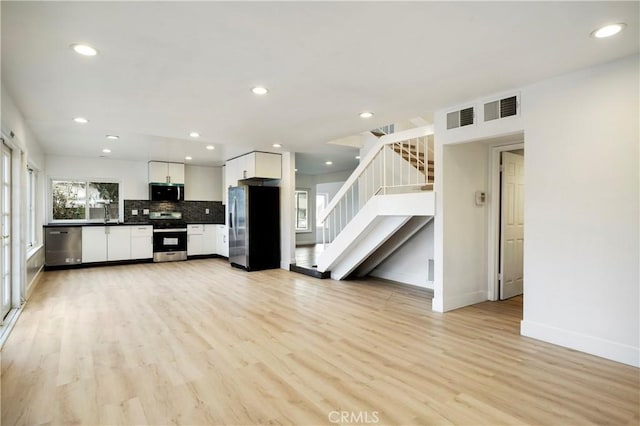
(493, 257)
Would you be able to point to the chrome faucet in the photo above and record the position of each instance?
(107, 212)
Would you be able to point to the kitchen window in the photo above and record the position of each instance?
(85, 200)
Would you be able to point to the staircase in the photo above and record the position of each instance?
(386, 200)
(411, 153)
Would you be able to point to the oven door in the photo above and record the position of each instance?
(169, 245)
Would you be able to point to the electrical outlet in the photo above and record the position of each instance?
(134, 212)
(145, 211)
(206, 211)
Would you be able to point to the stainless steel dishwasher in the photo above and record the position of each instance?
(63, 245)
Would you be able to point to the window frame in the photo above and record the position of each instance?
(31, 207)
(86, 182)
(297, 192)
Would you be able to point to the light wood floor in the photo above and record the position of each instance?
(200, 343)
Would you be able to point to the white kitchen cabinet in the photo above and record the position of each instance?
(267, 165)
(201, 239)
(106, 243)
(118, 243)
(142, 242)
(222, 240)
(209, 239)
(94, 244)
(163, 172)
(255, 165)
(195, 240)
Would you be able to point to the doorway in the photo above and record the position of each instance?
(506, 222)
(510, 266)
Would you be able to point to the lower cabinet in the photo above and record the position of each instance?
(209, 240)
(106, 243)
(94, 244)
(222, 240)
(142, 242)
(201, 239)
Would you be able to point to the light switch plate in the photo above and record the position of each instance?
(145, 211)
(134, 212)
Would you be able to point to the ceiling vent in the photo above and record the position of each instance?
(502, 108)
(463, 117)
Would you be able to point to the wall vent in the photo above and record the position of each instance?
(463, 117)
(502, 108)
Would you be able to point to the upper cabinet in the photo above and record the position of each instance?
(255, 165)
(162, 172)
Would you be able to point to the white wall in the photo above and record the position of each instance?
(12, 120)
(410, 263)
(464, 248)
(26, 151)
(133, 175)
(202, 183)
(581, 210)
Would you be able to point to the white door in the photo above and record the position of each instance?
(5, 231)
(511, 225)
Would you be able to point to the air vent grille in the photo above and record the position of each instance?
(466, 116)
(502, 108)
(463, 117)
(508, 106)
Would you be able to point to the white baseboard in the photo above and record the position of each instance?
(584, 343)
(34, 283)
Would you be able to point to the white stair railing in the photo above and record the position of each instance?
(401, 162)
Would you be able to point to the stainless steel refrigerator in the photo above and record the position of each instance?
(254, 227)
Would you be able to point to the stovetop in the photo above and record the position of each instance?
(169, 224)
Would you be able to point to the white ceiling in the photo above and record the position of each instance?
(168, 68)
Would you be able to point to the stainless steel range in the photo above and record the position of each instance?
(169, 236)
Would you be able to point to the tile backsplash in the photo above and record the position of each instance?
(192, 211)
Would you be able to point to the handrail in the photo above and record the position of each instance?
(364, 163)
(400, 162)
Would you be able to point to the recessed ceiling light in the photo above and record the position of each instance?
(113, 137)
(366, 114)
(259, 90)
(194, 134)
(328, 163)
(106, 150)
(357, 157)
(211, 147)
(277, 145)
(608, 30)
(81, 120)
(188, 158)
(84, 49)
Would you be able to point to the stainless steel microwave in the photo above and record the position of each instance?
(166, 192)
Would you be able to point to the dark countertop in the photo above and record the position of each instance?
(62, 224)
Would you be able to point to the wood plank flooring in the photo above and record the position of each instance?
(201, 343)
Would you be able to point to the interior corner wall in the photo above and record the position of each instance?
(581, 211)
(287, 186)
(410, 263)
(464, 249)
(202, 183)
